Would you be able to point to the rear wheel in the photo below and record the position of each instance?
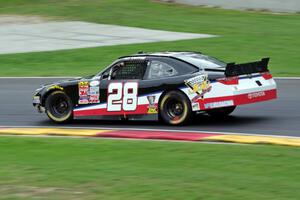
(59, 107)
(221, 112)
(175, 108)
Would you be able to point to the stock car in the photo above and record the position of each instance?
(167, 86)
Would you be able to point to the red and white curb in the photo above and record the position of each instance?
(154, 135)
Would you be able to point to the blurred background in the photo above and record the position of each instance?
(80, 37)
(74, 38)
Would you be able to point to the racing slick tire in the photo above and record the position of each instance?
(175, 108)
(59, 107)
(221, 112)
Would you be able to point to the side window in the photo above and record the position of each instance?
(158, 69)
(105, 74)
(134, 69)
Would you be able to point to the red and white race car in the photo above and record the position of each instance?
(170, 86)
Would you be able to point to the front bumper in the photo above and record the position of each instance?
(36, 102)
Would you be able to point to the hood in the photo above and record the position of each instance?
(66, 81)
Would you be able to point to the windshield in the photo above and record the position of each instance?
(105, 70)
(202, 61)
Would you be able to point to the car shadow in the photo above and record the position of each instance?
(198, 121)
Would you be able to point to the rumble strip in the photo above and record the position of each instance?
(157, 135)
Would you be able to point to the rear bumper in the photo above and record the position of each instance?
(246, 90)
(237, 99)
(234, 91)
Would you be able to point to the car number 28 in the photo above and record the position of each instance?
(122, 96)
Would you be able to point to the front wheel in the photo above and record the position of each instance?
(59, 107)
(175, 108)
(221, 112)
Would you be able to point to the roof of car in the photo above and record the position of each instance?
(194, 58)
(174, 54)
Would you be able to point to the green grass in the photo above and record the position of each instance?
(244, 36)
(69, 168)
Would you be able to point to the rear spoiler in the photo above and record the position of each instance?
(233, 69)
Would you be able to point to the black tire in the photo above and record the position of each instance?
(59, 107)
(175, 108)
(221, 112)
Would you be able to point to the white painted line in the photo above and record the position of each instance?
(149, 129)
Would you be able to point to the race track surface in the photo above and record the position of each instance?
(278, 117)
(271, 5)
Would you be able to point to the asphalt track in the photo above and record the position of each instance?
(272, 5)
(277, 117)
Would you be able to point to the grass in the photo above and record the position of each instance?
(244, 36)
(60, 168)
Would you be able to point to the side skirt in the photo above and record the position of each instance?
(148, 117)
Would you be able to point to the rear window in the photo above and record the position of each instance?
(158, 69)
(162, 67)
(202, 61)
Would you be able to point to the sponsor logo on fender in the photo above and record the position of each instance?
(83, 83)
(94, 91)
(83, 92)
(218, 104)
(256, 95)
(83, 100)
(94, 99)
(152, 108)
(94, 83)
(83, 89)
(88, 92)
(199, 85)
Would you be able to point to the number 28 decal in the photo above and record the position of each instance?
(122, 96)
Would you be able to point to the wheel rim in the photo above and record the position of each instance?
(60, 107)
(175, 109)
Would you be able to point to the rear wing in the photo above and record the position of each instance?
(233, 69)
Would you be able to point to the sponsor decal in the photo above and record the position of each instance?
(94, 99)
(256, 95)
(94, 91)
(152, 108)
(195, 106)
(94, 96)
(83, 89)
(88, 92)
(218, 104)
(57, 87)
(94, 83)
(83, 83)
(199, 85)
(83, 100)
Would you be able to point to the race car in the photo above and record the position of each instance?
(167, 86)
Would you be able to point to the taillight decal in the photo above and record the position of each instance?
(266, 75)
(229, 81)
